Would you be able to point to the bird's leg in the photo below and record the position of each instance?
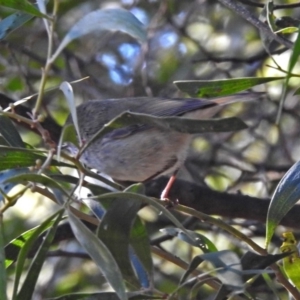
(165, 193)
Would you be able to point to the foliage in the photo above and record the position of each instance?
(91, 238)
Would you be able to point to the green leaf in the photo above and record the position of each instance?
(179, 124)
(139, 240)
(287, 30)
(115, 235)
(29, 283)
(24, 6)
(295, 55)
(26, 248)
(143, 200)
(5, 175)
(106, 296)
(284, 198)
(10, 133)
(95, 188)
(37, 178)
(128, 232)
(13, 249)
(3, 279)
(12, 22)
(291, 263)
(100, 255)
(292, 62)
(198, 240)
(13, 158)
(222, 87)
(104, 20)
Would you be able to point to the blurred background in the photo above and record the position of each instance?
(186, 40)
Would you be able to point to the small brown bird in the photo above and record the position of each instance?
(139, 152)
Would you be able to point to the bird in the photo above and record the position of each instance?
(140, 152)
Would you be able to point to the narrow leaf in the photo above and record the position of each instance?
(69, 95)
(37, 178)
(223, 87)
(13, 158)
(10, 133)
(198, 240)
(295, 54)
(13, 249)
(24, 6)
(139, 240)
(29, 283)
(229, 269)
(292, 62)
(100, 255)
(106, 296)
(6, 186)
(284, 198)
(143, 200)
(115, 235)
(179, 124)
(12, 22)
(103, 20)
(3, 278)
(291, 264)
(25, 250)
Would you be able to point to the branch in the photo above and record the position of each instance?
(222, 204)
(251, 18)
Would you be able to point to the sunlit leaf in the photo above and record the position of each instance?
(13, 158)
(287, 30)
(220, 87)
(284, 198)
(291, 264)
